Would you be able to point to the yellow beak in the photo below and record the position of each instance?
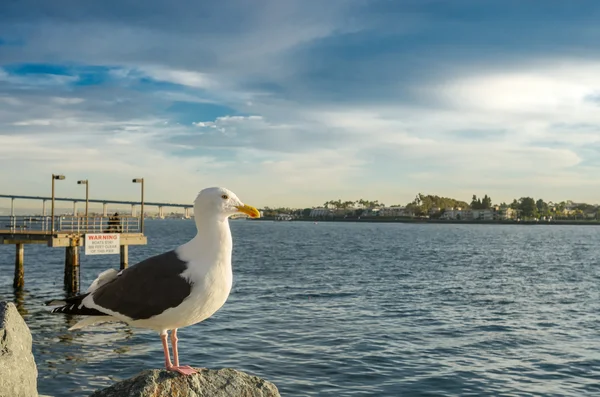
(249, 210)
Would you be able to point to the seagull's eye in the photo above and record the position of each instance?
(224, 197)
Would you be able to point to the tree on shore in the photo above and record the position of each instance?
(514, 205)
(543, 209)
(481, 204)
(423, 204)
(528, 208)
(339, 204)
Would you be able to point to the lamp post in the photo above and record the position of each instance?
(87, 198)
(54, 178)
(141, 180)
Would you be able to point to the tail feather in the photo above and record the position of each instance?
(74, 305)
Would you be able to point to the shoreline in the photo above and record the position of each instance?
(435, 221)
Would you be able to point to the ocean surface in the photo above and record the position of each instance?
(346, 309)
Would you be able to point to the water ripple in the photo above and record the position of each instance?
(356, 310)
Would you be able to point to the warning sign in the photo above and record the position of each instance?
(102, 243)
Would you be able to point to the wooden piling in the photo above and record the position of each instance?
(124, 256)
(72, 269)
(19, 280)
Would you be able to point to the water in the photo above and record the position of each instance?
(344, 309)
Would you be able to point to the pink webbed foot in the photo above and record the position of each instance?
(183, 369)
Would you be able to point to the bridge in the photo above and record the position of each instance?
(105, 202)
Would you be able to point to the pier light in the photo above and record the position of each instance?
(141, 181)
(55, 177)
(87, 199)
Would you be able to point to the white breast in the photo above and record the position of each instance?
(209, 292)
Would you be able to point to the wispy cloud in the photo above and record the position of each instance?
(37, 79)
(182, 77)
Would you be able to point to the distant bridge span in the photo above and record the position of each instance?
(101, 201)
(187, 207)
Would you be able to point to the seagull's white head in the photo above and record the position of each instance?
(221, 202)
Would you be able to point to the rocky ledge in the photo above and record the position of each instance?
(18, 372)
(206, 383)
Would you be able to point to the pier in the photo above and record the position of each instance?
(97, 234)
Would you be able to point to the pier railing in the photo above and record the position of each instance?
(70, 224)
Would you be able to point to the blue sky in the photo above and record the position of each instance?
(292, 103)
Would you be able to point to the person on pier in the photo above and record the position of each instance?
(114, 224)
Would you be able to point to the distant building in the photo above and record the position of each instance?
(505, 213)
(284, 217)
(495, 213)
(393, 211)
(451, 213)
(318, 212)
(435, 210)
(371, 212)
(483, 215)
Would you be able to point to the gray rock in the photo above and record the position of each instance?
(18, 372)
(225, 382)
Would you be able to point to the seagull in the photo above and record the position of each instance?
(174, 289)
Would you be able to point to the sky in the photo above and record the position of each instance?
(293, 103)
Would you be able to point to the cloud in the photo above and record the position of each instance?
(227, 122)
(532, 90)
(297, 102)
(38, 79)
(67, 101)
(183, 77)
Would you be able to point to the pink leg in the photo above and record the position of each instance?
(163, 338)
(185, 370)
(174, 340)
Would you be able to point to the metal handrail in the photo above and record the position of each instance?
(78, 224)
